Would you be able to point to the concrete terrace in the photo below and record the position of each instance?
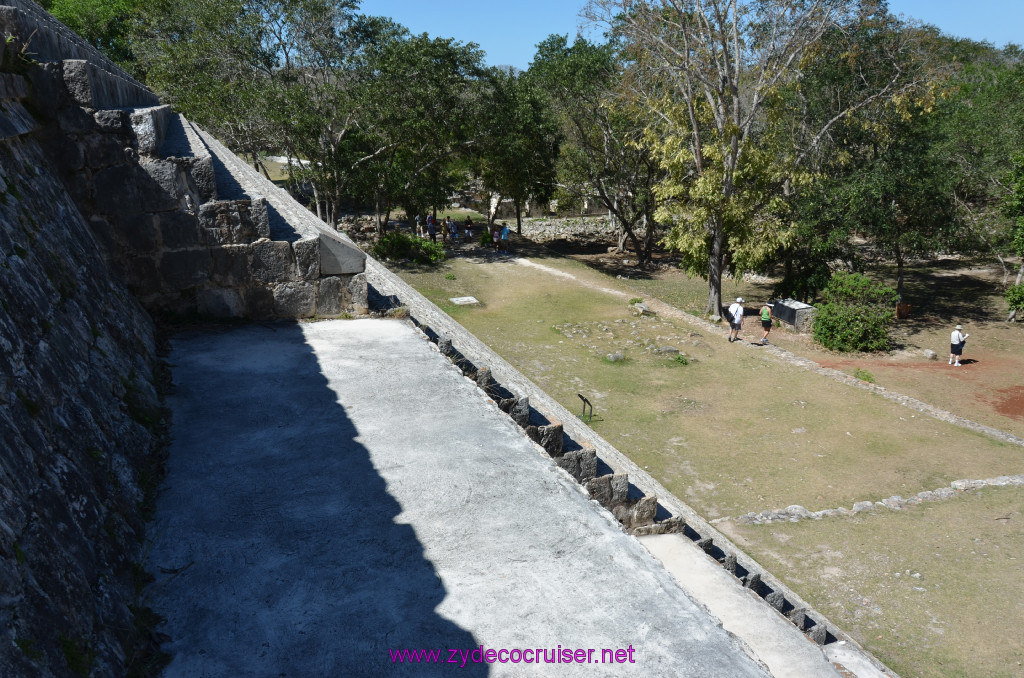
(338, 489)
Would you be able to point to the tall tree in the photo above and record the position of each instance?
(604, 151)
(706, 70)
(520, 146)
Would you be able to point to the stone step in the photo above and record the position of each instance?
(289, 221)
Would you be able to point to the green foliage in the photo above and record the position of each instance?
(19, 553)
(401, 247)
(105, 24)
(864, 375)
(856, 316)
(1015, 297)
(485, 238)
(449, 276)
(682, 359)
(636, 300)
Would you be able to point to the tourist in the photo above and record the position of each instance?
(957, 339)
(452, 228)
(469, 229)
(419, 226)
(431, 228)
(735, 320)
(766, 321)
(505, 233)
(495, 237)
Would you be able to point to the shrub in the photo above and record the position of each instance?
(682, 359)
(485, 238)
(636, 300)
(1015, 297)
(864, 375)
(398, 246)
(449, 276)
(856, 314)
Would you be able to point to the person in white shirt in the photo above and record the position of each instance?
(957, 339)
(735, 319)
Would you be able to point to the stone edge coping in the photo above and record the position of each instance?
(423, 312)
(306, 224)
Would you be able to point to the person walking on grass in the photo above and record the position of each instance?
(957, 339)
(505, 233)
(735, 320)
(766, 321)
(419, 226)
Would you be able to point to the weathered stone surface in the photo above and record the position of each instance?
(548, 436)
(307, 258)
(231, 222)
(115, 120)
(272, 261)
(76, 383)
(705, 544)
(116, 192)
(220, 303)
(644, 512)
(230, 265)
(620, 488)
(294, 299)
(776, 599)
(444, 345)
(185, 268)
(615, 357)
(330, 297)
(177, 229)
(580, 464)
(600, 490)
(356, 294)
(259, 302)
(139, 233)
(485, 380)
(520, 411)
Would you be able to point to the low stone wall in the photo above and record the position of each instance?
(78, 411)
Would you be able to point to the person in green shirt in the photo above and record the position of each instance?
(766, 321)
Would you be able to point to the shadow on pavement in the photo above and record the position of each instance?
(276, 547)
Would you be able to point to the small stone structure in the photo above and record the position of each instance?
(795, 313)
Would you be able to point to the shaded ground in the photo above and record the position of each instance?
(736, 430)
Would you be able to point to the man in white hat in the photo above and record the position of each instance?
(957, 339)
(735, 319)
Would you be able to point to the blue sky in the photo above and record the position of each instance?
(509, 30)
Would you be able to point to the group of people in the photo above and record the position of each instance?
(957, 338)
(736, 320)
(429, 227)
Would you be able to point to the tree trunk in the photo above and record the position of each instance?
(376, 213)
(899, 275)
(316, 199)
(519, 218)
(1020, 276)
(715, 270)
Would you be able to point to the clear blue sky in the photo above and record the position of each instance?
(508, 31)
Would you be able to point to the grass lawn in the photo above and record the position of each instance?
(737, 430)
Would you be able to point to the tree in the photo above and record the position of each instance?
(856, 314)
(1013, 207)
(707, 70)
(519, 149)
(105, 24)
(604, 150)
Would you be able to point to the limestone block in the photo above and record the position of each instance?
(230, 265)
(149, 126)
(548, 436)
(600, 490)
(115, 120)
(141, 275)
(78, 82)
(231, 222)
(355, 294)
(220, 303)
(116, 191)
(138, 233)
(619, 488)
(294, 299)
(259, 217)
(330, 297)
(338, 256)
(644, 512)
(259, 302)
(485, 380)
(580, 464)
(161, 185)
(201, 169)
(272, 261)
(307, 258)
(520, 411)
(182, 269)
(177, 229)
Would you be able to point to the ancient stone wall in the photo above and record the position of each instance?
(78, 410)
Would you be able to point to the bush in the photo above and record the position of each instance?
(485, 238)
(856, 314)
(398, 246)
(1015, 297)
(864, 375)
